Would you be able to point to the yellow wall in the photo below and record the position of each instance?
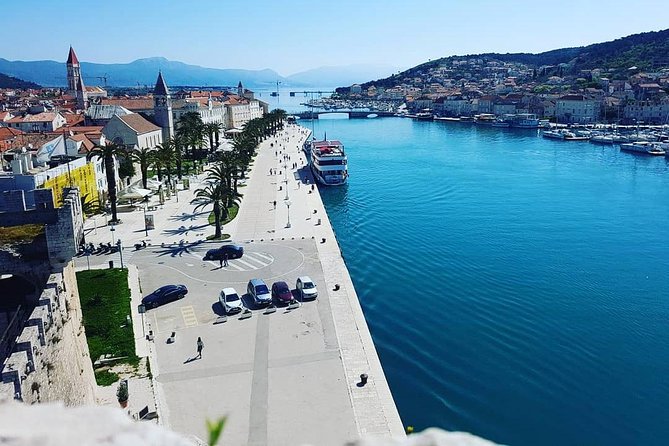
(82, 177)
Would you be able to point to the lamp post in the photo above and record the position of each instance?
(288, 203)
(146, 228)
(120, 251)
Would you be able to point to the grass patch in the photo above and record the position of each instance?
(223, 237)
(105, 303)
(105, 377)
(19, 234)
(232, 213)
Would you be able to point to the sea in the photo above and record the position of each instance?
(515, 287)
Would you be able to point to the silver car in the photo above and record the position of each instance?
(231, 302)
(306, 288)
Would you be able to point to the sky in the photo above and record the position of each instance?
(290, 36)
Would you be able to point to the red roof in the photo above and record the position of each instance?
(9, 133)
(72, 58)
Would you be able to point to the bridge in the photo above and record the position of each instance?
(352, 114)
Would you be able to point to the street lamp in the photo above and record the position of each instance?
(287, 197)
(120, 250)
(288, 203)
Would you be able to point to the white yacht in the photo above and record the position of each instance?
(328, 162)
(645, 147)
(525, 121)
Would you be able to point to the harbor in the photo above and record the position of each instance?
(282, 375)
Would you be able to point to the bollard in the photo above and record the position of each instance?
(323, 240)
(111, 264)
(319, 221)
(363, 379)
(336, 287)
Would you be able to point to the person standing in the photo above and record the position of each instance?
(200, 346)
(225, 259)
(274, 203)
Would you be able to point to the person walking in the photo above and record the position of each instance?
(225, 259)
(200, 346)
(274, 203)
(220, 262)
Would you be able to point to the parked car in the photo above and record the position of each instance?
(258, 290)
(306, 288)
(232, 304)
(281, 292)
(232, 251)
(164, 294)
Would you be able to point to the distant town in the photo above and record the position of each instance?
(470, 85)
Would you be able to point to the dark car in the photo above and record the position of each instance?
(232, 251)
(281, 292)
(164, 294)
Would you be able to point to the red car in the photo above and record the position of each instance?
(281, 292)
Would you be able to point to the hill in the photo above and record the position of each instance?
(13, 82)
(341, 75)
(143, 71)
(645, 51)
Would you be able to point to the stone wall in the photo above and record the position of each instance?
(51, 361)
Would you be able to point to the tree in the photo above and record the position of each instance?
(211, 194)
(108, 154)
(144, 157)
(126, 168)
(164, 159)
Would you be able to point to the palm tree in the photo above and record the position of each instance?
(211, 130)
(107, 154)
(223, 173)
(208, 195)
(164, 158)
(144, 157)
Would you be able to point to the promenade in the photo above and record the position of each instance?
(290, 376)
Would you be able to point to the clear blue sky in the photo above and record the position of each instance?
(294, 35)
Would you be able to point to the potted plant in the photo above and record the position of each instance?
(122, 393)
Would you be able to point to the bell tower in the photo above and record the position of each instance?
(162, 107)
(75, 83)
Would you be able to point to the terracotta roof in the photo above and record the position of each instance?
(138, 123)
(39, 117)
(9, 133)
(86, 129)
(72, 119)
(131, 104)
(3, 115)
(72, 57)
(86, 144)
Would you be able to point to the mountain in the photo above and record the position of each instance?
(645, 51)
(143, 71)
(12, 82)
(342, 75)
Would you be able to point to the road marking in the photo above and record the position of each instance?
(266, 257)
(238, 268)
(188, 314)
(257, 261)
(247, 264)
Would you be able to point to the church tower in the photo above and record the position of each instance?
(240, 90)
(75, 83)
(162, 107)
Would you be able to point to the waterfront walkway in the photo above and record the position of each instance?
(289, 377)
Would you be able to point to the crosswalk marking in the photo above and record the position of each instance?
(248, 257)
(266, 257)
(247, 264)
(238, 268)
(188, 314)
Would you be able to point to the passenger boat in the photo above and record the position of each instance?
(524, 121)
(424, 116)
(645, 147)
(485, 119)
(328, 161)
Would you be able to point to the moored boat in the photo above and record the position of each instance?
(645, 147)
(424, 116)
(524, 121)
(328, 162)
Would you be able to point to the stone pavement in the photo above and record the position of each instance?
(275, 369)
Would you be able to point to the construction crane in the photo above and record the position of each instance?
(103, 77)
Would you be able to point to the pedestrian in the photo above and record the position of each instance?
(270, 171)
(200, 346)
(220, 263)
(274, 203)
(225, 259)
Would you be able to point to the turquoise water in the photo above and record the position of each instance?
(515, 287)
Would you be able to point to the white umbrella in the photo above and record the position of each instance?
(133, 193)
